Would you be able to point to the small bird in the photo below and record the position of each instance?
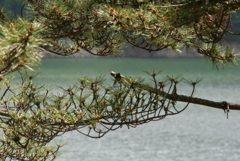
(117, 77)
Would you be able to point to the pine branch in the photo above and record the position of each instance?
(189, 99)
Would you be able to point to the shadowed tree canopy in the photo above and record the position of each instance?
(31, 115)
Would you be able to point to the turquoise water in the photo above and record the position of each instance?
(68, 69)
(197, 134)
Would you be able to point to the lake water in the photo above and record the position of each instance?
(198, 134)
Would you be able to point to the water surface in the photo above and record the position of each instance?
(198, 134)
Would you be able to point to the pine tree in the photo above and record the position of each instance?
(31, 115)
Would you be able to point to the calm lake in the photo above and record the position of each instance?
(198, 134)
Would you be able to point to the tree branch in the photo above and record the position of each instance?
(194, 100)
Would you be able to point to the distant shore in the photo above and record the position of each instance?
(136, 52)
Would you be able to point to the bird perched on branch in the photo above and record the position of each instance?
(117, 77)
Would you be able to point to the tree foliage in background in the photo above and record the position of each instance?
(31, 116)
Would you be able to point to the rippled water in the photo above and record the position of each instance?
(198, 134)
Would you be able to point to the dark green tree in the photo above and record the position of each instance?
(31, 115)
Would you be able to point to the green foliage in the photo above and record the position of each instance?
(20, 42)
(31, 116)
(103, 27)
(34, 116)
